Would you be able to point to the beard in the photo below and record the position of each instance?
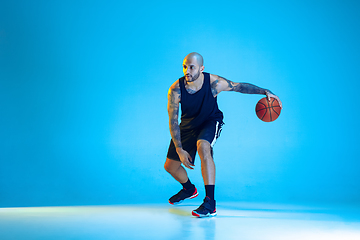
(193, 78)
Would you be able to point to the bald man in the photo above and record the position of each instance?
(201, 122)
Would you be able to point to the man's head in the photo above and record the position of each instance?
(193, 66)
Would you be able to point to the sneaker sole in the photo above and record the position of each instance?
(193, 196)
(203, 215)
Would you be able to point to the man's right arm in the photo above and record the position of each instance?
(173, 110)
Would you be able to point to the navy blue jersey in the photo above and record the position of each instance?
(199, 107)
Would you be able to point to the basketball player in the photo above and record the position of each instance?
(200, 126)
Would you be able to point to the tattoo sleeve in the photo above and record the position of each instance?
(213, 87)
(223, 84)
(247, 88)
(173, 110)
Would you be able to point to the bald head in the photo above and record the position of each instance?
(193, 66)
(197, 56)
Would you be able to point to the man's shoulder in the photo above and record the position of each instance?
(175, 87)
(213, 78)
(175, 84)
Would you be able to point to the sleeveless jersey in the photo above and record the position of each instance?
(198, 107)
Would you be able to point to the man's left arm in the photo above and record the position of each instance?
(219, 84)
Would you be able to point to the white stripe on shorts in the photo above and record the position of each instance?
(217, 131)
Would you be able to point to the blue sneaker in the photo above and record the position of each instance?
(206, 209)
(182, 195)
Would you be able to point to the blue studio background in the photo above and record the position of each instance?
(83, 94)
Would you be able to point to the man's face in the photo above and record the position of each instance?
(191, 69)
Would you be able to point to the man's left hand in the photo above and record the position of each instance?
(270, 95)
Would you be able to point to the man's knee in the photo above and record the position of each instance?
(171, 165)
(204, 148)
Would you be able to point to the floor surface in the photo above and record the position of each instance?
(234, 221)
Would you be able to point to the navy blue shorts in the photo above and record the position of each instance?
(209, 131)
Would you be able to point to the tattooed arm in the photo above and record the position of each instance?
(173, 110)
(219, 84)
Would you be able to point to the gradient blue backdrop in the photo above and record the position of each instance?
(83, 94)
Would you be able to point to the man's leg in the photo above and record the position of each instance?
(207, 162)
(176, 170)
(179, 173)
(208, 208)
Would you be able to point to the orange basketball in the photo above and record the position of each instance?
(268, 111)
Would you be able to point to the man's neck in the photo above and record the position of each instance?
(197, 84)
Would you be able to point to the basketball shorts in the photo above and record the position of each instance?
(209, 131)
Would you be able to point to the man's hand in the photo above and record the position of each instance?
(270, 95)
(185, 158)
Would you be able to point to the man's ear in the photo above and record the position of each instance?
(202, 68)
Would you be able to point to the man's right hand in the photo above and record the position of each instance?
(185, 158)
